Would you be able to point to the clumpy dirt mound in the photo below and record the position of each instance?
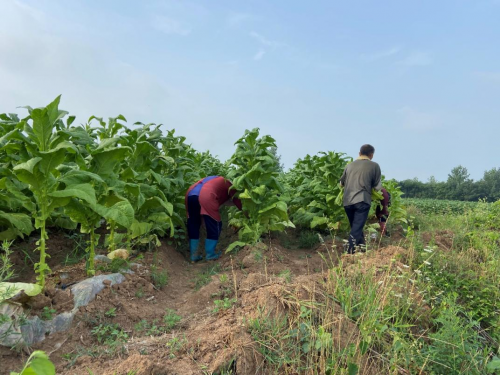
(444, 239)
(215, 303)
(379, 261)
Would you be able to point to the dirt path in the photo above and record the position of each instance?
(204, 340)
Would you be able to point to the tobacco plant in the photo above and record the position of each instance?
(254, 176)
(313, 188)
(44, 151)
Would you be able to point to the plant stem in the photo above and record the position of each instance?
(41, 267)
(90, 267)
(111, 245)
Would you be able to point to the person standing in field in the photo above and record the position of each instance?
(358, 180)
(203, 200)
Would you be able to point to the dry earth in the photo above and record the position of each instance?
(204, 342)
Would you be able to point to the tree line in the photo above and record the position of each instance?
(458, 186)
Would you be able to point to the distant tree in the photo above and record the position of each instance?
(489, 185)
(458, 176)
(458, 183)
(458, 186)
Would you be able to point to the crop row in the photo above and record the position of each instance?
(57, 174)
(441, 206)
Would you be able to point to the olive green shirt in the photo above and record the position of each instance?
(358, 180)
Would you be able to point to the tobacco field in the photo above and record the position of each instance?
(283, 299)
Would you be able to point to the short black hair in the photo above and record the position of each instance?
(367, 150)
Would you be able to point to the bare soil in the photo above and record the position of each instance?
(205, 341)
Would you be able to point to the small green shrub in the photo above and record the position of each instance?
(111, 313)
(159, 276)
(455, 347)
(224, 304)
(47, 313)
(203, 278)
(286, 274)
(111, 335)
(116, 265)
(171, 319)
(308, 240)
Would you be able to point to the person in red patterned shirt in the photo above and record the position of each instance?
(203, 201)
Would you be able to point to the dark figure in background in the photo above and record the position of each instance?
(382, 212)
(358, 180)
(203, 200)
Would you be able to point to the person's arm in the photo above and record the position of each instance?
(342, 179)
(237, 203)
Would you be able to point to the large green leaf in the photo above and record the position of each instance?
(29, 165)
(42, 128)
(105, 163)
(10, 234)
(76, 177)
(121, 212)
(138, 229)
(318, 221)
(53, 158)
(82, 191)
(38, 364)
(21, 222)
(235, 244)
(9, 290)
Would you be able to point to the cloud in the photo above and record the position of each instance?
(170, 26)
(488, 76)
(34, 13)
(259, 55)
(416, 58)
(381, 54)
(267, 42)
(419, 121)
(236, 19)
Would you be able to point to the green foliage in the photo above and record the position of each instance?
(38, 363)
(159, 276)
(458, 186)
(255, 179)
(75, 176)
(111, 335)
(171, 319)
(9, 290)
(455, 347)
(111, 313)
(440, 206)
(205, 276)
(286, 274)
(116, 265)
(223, 304)
(47, 313)
(313, 189)
(308, 239)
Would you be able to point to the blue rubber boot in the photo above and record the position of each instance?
(210, 249)
(193, 249)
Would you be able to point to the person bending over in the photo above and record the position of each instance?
(203, 201)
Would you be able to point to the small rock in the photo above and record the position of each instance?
(102, 259)
(106, 282)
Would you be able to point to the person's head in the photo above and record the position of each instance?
(367, 150)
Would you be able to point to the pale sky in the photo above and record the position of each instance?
(420, 80)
